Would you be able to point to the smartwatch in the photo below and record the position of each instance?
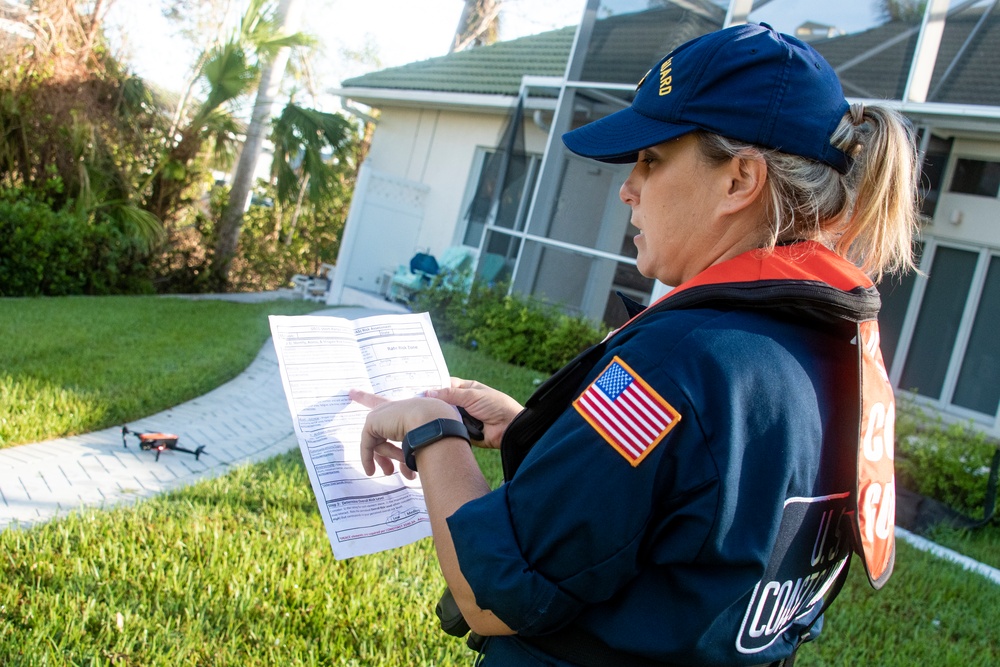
(430, 433)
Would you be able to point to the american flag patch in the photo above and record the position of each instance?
(626, 411)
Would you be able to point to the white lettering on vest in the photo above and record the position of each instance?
(785, 600)
(872, 443)
(880, 432)
(872, 345)
(825, 550)
(880, 510)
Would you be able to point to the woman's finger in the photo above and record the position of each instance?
(387, 453)
(383, 457)
(366, 399)
(369, 442)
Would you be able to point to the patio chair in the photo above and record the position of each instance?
(491, 267)
(408, 280)
(314, 288)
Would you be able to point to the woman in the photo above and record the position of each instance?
(689, 491)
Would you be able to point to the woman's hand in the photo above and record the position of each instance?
(450, 475)
(391, 420)
(492, 407)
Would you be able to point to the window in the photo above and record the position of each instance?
(978, 385)
(953, 358)
(895, 292)
(517, 188)
(479, 207)
(932, 173)
(936, 331)
(976, 177)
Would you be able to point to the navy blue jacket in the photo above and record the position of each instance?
(718, 542)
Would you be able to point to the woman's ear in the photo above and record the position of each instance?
(746, 178)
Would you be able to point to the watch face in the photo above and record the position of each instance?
(428, 431)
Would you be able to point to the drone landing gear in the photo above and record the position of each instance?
(159, 442)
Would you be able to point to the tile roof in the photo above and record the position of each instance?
(623, 47)
(972, 80)
(489, 70)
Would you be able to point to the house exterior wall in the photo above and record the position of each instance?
(941, 321)
(933, 326)
(437, 149)
(964, 217)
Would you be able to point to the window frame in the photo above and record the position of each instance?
(481, 157)
(955, 173)
(943, 403)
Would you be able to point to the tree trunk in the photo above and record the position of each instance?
(95, 23)
(298, 210)
(231, 222)
(478, 25)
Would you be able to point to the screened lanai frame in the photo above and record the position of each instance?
(925, 66)
(601, 76)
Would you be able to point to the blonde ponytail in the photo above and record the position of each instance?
(878, 232)
(868, 215)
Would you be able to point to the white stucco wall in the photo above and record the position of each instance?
(437, 149)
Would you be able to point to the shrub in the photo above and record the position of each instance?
(950, 463)
(512, 328)
(269, 252)
(46, 252)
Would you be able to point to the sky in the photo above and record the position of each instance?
(402, 31)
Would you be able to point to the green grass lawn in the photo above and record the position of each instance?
(238, 570)
(982, 544)
(72, 365)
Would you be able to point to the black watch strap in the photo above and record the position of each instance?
(430, 433)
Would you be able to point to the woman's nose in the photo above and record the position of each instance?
(628, 193)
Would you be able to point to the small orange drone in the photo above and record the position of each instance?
(159, 442)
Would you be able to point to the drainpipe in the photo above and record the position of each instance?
(357, 113)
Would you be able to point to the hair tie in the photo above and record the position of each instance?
(857, 113)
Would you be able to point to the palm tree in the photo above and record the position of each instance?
(478, 25)
(202, 22)
(229, 72)
(301, 137)
(231, 222)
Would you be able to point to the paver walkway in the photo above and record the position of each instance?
(243, 421)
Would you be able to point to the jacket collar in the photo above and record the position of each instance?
(804, 277)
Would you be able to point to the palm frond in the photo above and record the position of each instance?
(138, 224)
(301, 136)
(261, 33)
(229, 75)
(223, 132)
(256, 18)
(266, 49)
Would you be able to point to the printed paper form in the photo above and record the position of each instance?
(321, 359)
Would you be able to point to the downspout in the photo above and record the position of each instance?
(539, 121)
(357, 113)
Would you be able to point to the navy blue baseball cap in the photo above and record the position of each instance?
(747, 82)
